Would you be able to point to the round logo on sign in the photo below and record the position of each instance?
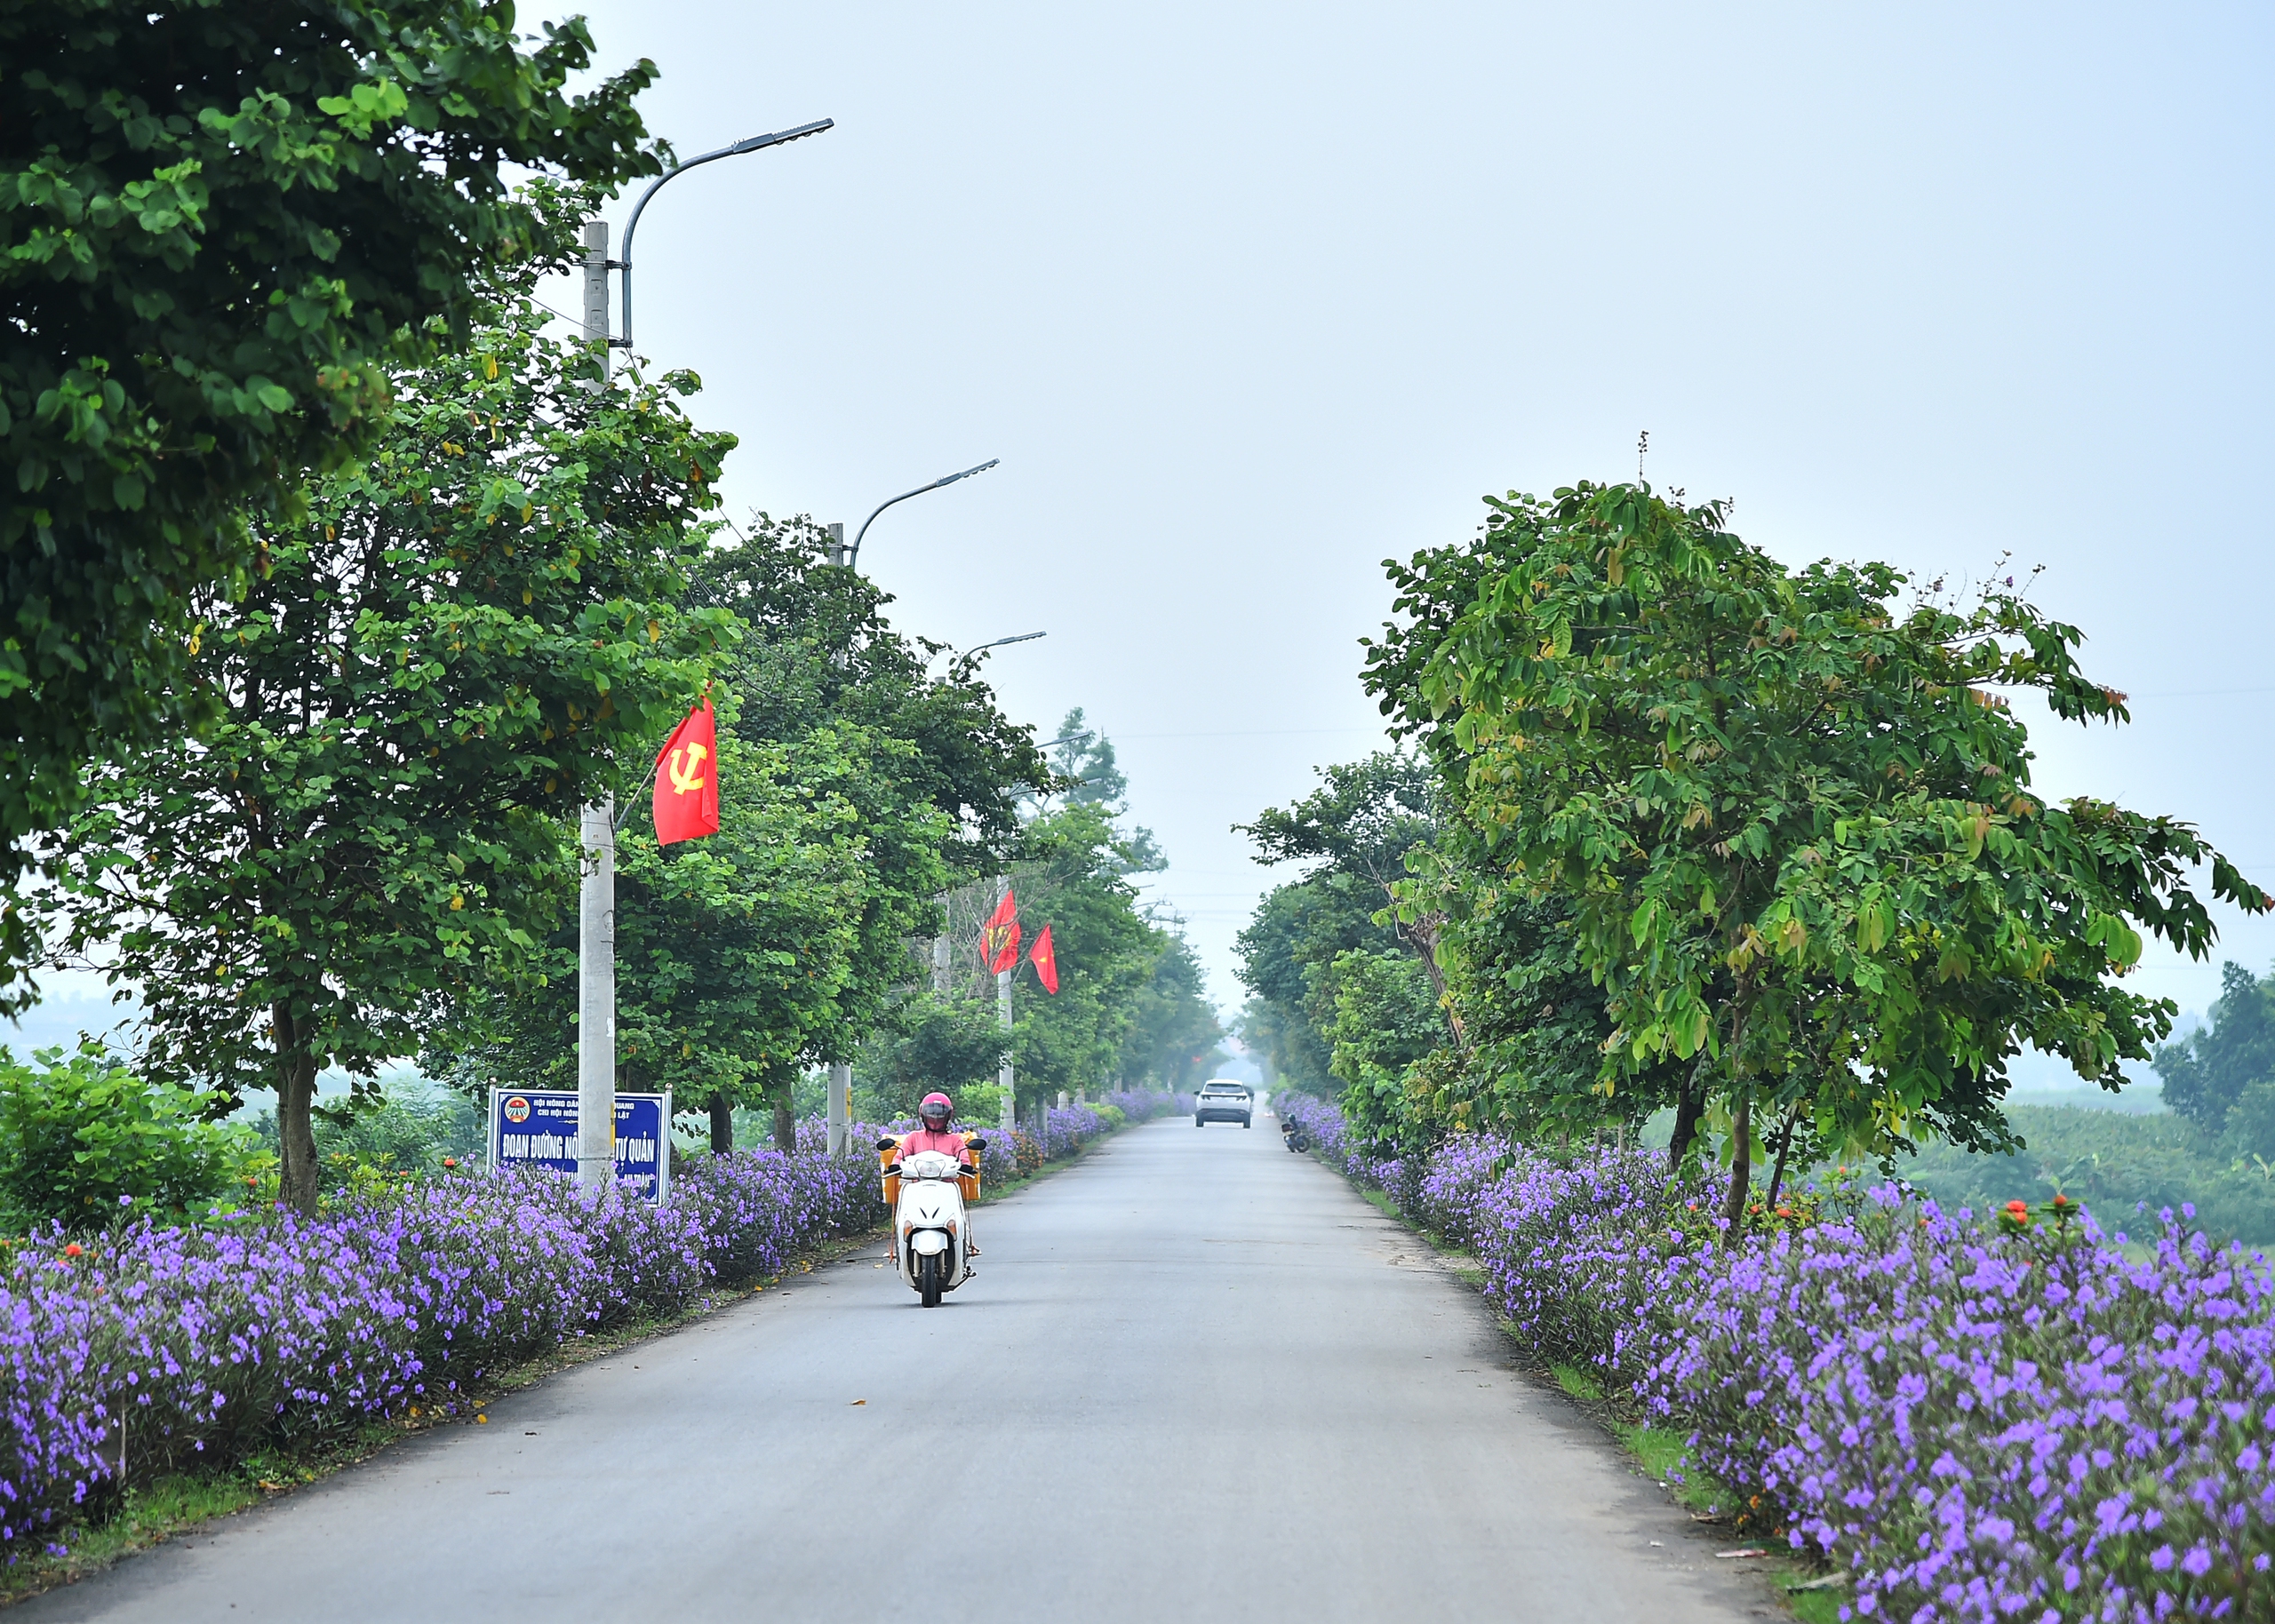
(518, 1108)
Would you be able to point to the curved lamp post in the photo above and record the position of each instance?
(756, 143)
(853, 557)
(597, 888)
(1023, 637)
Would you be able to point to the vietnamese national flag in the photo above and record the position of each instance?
(1045, 962)
(999, 938)
(687, 779)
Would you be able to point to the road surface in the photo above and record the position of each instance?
(1196, 1378)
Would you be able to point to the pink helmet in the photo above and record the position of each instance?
(935, 1111)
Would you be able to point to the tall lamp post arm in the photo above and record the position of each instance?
(756, 143)
(853, 557)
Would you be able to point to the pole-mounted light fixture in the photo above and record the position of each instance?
(853, 558)
(756, 143)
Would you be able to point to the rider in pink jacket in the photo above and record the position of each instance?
(932, 1118)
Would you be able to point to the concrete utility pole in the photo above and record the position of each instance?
(596, 897)
(1003, 1076)
(840, 1074)
(596, 891)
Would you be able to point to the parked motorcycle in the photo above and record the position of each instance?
(1293, 1133)
(931, 1250)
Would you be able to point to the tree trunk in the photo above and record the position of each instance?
(786, 1121)
(1690, 1110)
(296, 1135)
(1784, 1144)
(723, 1124)
(1740, 1159)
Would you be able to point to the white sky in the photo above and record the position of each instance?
(1248, 296)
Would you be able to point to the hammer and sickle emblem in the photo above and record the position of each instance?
(691, 777)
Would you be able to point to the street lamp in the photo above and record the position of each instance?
(596, 833)
(852, 560)
(841, 1072)
(756, 143)
(1023, 637)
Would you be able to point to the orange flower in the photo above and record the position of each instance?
(2018, 1208)
(73, 1250)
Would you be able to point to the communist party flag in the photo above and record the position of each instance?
(687, 779)
(1045, 962)
(999, 938)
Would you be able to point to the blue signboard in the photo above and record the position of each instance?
(538, 1127)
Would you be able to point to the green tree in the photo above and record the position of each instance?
(1357, 831)
(1075, 880)
(1173, 1028)
(2207, 1072)
(83, 1138)
(738, 955)
(855, 788)
(1792, 820)
(927, 765)
(1384, 1020)
(224, 226)
(471, 632)
(1532, 1018)
(926, 1042)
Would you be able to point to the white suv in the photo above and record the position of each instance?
(1223, 1100)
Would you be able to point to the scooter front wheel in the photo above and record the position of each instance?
(928, 1281)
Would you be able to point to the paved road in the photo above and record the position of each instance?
(1198, 1378)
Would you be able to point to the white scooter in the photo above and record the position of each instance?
(931, 1236)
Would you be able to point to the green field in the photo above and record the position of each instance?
(2114, 1163)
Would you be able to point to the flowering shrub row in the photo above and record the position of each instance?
(150, 1348)
(2021, 1424)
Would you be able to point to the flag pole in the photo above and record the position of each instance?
(1009, 1117)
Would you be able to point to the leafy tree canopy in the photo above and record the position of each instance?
(1173, 1028)
(1357, 831)
(2206, 1073)
(469, 633)
(224, 226)
(1792, 819)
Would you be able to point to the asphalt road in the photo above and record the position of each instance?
(1196, 1378)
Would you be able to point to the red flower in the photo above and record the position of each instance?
(450, 1161)
(73, 1250)
(2018, 1208)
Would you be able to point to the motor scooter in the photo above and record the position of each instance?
(1293, 1133)
(931, 1250)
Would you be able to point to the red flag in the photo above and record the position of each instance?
(1045, 962)
(687, 779)
(999, 938)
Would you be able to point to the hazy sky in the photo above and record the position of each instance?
(1248, 297)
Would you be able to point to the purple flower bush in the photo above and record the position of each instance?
(1322, 1123)
(150, 1347)
(2019, 1423)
